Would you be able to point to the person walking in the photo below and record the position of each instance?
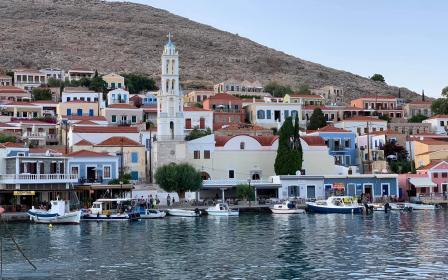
(168, 200)
(157, 202)
(154, 203)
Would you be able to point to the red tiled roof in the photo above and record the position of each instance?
(432, 164)
(363, 119)
(11, 89)
(31, 121)
(440, 116)
(80, 118)
(45, 102)
(268, 140)
(85, 153)
(85, 122)
(195, 109)
(83, 142)
(105, 129)
(375, 97)
(122, 106)
(420, 102)
(314, 140)
(80, 101)
(312, 107)
(41, 150)
(432, 141)
(20, 103)
(2, 124)
(330, 128)
(150, 109)
(119, 141)
(243, 126)
(11, 145)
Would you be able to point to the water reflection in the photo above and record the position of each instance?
(394, 245)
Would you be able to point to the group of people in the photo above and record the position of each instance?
(153, 202)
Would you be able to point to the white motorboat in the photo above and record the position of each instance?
(59, 213)
(377, 206)
(287, 207)
(111, 209)
(222, 209)
(400, 207)
(420, 206)
(184, 213)
(335, 204)
(151, 214)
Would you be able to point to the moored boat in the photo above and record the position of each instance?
(287, 207)
(111, 209)
(421, 206)
(221, 209)
(184, 213)
(151, 213)
(59, 213)
(336, 205)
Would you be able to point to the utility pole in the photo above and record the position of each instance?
(150, 153)
(368, 146)
(121, 159)
(66, 137)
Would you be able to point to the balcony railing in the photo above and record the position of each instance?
(29, 134)
(37, 178)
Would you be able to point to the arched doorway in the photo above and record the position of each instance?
(172, 129)
(205, 175)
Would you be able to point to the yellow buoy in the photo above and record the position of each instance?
(50, 225)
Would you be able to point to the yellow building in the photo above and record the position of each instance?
(429, 149)
(114, 81)
(77, 108)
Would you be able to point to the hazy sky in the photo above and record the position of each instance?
(405, 40)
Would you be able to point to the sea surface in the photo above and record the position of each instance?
(253, 246)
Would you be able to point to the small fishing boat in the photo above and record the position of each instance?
(184, 213)
(335, 204)
(111, 209)
(287, 207)
(377, 206)
(400, 207)
(151, 213)
(222, 209)
(59, 213)
(421, 206)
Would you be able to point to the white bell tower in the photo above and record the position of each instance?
(170, 106)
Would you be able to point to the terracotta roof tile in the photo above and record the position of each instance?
(363, 119)
(11, 145)
(438, 117)
(105, 129)
(122, 106)
(85, 153)
(195, 109)
(225, 96)
(268, 140)
(20, 103)
(119, 141)
(85, 122)
(314, 140)
(330, 128)
(433, 141)
(432, 164)
(11, 89)
(375, 97)
(310, 96)
(243, 126)
(80, 118)
(83, 142)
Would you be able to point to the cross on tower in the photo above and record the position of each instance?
(169, 36)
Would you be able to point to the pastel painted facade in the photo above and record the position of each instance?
(5, 80)
(322, 186)
(361, 125)
(271, 115)
(416, 108)
(78, 108)
(133, 158)
(77, 74)
(123, 114)
(54, 73)
(93, 167)
(428, 149)
(22, 110)
(385, 105)
(117, 96)
(12, 93)
(341, 144)
(198, 96)
(226, 109)
(36, 133)
(113, 81)
(439, 124)
(232, 86)
(98, 134)
(333, 95)
(81, 94)
(49, 108)
(437, 172)
(251, 157)
(28, 79)
(304, 99)
(198, 118)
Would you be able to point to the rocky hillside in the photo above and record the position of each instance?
(127, 37)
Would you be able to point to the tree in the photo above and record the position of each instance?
(178, 178)
(391, 148)
(385, 118)
(440, 106)
(378, 78)
(52, 82)
(245, 192)
(97, 84)
(138, 82)
(7, 138)
(277, 90)
(445, 92)
(317, 120)
(197, 133)
(41, 94)
(400, 167)
(297, 144)
(417, 119)
(289, 159)
(304, 89)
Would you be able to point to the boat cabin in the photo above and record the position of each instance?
(110, 206)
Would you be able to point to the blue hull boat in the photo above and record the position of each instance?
(335, 205)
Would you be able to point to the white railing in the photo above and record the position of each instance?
(234, 182)
(28, 134)
(37, 178)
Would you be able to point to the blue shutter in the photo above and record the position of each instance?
(79, 112)
(90, 112)
(69, 112)
(134, 175)
(134, 157)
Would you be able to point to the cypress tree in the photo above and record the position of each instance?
(317, 120)
(288, 159)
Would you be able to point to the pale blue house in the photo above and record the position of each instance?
(92, 167)
(341, 144)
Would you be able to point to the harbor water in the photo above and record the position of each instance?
(252, 246)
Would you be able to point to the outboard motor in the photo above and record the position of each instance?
(197, 211)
